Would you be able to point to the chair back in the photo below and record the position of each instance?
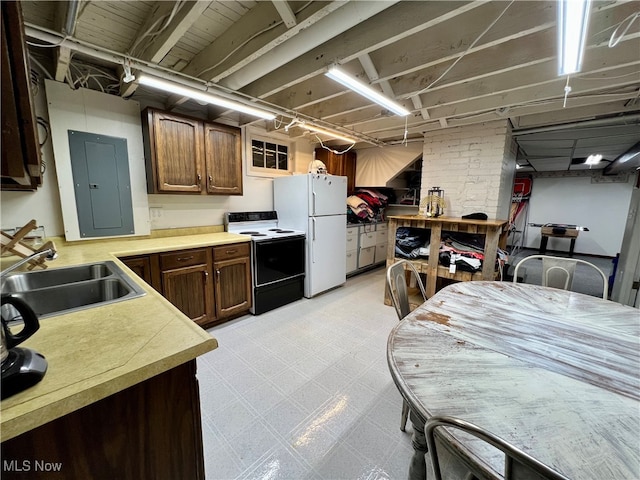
(399, 289)
(518, 465)
(559, 272)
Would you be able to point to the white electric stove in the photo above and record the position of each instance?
(277, 258)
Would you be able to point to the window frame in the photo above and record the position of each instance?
(265, 138)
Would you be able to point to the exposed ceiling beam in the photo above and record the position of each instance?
(398, 21)
(171, 25)
(285, 12)
(66, 15)
(321, 31)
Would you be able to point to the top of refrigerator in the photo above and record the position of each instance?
(310, 195)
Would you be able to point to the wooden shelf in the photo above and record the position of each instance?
(494, 231)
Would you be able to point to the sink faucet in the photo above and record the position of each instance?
(49, 254)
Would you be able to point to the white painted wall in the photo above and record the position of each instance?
(95, 112)
(165, 211)
(475, 165)
(43, 205)
(176, 211)
(376, 166)
(601, 207)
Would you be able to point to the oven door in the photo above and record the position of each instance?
(280, 259)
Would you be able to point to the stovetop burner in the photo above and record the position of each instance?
(262, 226)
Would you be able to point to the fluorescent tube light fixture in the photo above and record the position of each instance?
(573, 18)
(337, 136)
(593, 159)
(357, 86)
(172, 87)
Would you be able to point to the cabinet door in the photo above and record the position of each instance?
(186, 283)
(188, 289)
(177, 153)
(343, 165)
(20, 165)
(141, 266)
(223, 157)
(233, 286)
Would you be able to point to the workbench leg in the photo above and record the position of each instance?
(418, 467)
(543, 244)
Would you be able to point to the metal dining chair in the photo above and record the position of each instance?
(398, 286)
(558, 272)
(518, 465)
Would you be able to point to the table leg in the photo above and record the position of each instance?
(543, 244)
(418, 467)
(572, 246)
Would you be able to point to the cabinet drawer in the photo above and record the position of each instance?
(227, 252)
(381, 236)
(352, 232)
(352, 261)
(381, 252)
(184, 258)
(352, 242)
(365, 258)
(367, 239)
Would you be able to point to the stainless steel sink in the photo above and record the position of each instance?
(62, 290)
(22, 282)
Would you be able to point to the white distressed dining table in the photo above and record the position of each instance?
(553, 372)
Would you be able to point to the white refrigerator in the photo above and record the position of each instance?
(316, 204)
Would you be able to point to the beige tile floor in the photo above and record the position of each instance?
(304, 391)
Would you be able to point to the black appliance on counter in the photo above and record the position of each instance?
(21, 367)
(277, 258)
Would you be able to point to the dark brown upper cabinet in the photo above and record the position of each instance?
(187, 155)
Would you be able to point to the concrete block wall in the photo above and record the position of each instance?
(475, 166)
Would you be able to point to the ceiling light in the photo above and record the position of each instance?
(593, 159)
(201, 96)
(327, 132)
(573, 18)
(339, 76)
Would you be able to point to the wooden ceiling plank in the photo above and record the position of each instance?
(223, 56)
(184, 18)
(398, 21)
(447, 41)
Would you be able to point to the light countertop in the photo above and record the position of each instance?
(99, 351)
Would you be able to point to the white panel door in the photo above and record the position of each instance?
(328, 195)
(326, 253)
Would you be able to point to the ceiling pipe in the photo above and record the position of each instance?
(598, 122)
(116, 58)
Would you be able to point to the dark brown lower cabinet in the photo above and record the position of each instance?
(150, 430)
(187, 283)
(209, 285)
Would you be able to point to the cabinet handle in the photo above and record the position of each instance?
(200, 180)
(210, 180)
(184, 259)
(218, 274)
(206, 277)
(229, 252)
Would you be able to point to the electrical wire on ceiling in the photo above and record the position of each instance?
(613, 41)
(473, 44)
(148, 33)
(337, 152)
(246, 41)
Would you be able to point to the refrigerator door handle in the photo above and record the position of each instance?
(313, 195)
(313, 239)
